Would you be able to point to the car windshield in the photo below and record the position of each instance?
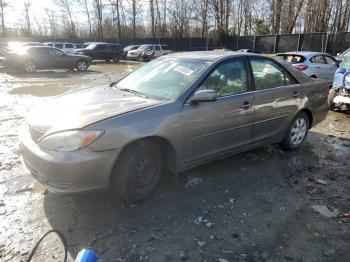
(163, 78)
(91, 46)
(144, 47)
(346, 63)
(291, 58)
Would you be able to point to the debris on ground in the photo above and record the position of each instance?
(325, 210)
(193, 182)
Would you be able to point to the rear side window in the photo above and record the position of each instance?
(68, 45)
(165, 47)
(319, 59)
(100, 47)
(268, 74)
(157, 47)
(60, 46)
(227, 79)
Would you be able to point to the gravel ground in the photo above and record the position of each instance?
(263, 205)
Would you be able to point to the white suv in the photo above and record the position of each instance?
(66, 47)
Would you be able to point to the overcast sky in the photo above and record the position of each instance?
(15, 11)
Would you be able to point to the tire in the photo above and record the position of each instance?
(331, 95)
(82, 65)
(29, 67)
(297, 131)
(115, 60)
(138, 171)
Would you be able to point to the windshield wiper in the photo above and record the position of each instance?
(133, 92)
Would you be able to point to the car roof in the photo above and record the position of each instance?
(209, 55)
(304, 53)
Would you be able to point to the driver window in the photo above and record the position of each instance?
(100, 47)
(227, 79)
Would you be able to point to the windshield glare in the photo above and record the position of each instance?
(92, 46)
(164, 78)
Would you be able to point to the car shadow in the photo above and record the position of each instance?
(49, 73)
(209, 203)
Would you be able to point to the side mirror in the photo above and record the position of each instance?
(206, 95)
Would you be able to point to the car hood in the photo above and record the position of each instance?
(79, 109)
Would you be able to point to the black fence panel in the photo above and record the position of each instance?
(313, 42)
(245, 42)
(265, 44)
(331, 43)
(286, 43)
(337, 43)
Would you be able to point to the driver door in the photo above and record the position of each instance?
(214, 128)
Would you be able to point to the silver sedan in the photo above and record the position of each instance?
(313, 64)
(177, 112)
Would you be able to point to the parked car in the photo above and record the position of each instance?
(79, 46)
(66, 47)
(341, 56)
(124, 137)
(127, 49)
(101, 51)
(34, 58)
(248, 51)
(339, 94)
(148, 52)
(313, 64)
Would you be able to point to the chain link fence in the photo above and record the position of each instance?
(269, 44)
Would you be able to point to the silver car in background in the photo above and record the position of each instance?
(174, 113)
(313, 64)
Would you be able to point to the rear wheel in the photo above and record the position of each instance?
(138, 172)
(82, 65)
(29, 67)
(297, 132)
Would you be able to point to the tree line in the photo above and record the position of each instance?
(176, 18)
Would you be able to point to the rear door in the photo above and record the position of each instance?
(277, 96)
(213, 128)
(319, 66)
(100, 52)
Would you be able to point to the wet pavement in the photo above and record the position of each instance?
(263, 205)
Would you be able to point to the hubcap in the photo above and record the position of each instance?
(82, 66)
(298, 131)
(146, 172)
(29, 67)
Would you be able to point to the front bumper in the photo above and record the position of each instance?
(67, 172)
(132, 56)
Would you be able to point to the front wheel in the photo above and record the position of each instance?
(331, 95)
(138, 171)
(29, 67)
(82, 65)
(297, 132)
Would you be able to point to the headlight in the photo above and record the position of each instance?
(69, 140)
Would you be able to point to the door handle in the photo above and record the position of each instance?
(296, 93)
(246, 105)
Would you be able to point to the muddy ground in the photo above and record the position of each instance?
(263, 205)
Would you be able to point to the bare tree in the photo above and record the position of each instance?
(3, 5)
(87, 13)
(98, 13)
(27, 18)
(66, 7)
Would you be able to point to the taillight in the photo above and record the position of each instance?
(301, 67)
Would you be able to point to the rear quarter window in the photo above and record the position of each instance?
(60, 46)
(68, 45)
